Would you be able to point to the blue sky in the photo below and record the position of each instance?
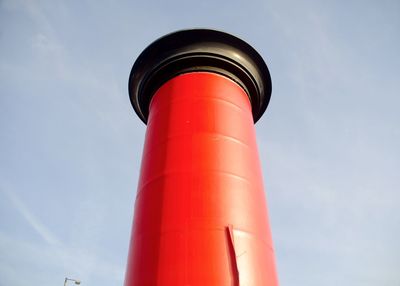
(71, 143)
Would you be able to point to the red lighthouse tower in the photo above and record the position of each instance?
(200, 211)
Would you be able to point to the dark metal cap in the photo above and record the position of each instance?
(199, 50)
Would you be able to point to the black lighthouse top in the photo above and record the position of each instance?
(199, 50)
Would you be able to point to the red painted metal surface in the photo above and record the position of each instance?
(200, 212)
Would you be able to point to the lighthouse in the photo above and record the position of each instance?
(200, 215)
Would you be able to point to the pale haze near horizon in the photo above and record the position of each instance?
(71, 144)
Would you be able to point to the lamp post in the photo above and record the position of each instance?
(77, 282)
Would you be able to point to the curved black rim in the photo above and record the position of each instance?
(199, 50)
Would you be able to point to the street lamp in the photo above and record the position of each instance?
(77, 282)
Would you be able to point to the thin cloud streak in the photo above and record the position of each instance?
(31, 219)
(56, 263)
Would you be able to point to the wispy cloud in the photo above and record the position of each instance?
(48, 264)
(31, 219)
(55, 255)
